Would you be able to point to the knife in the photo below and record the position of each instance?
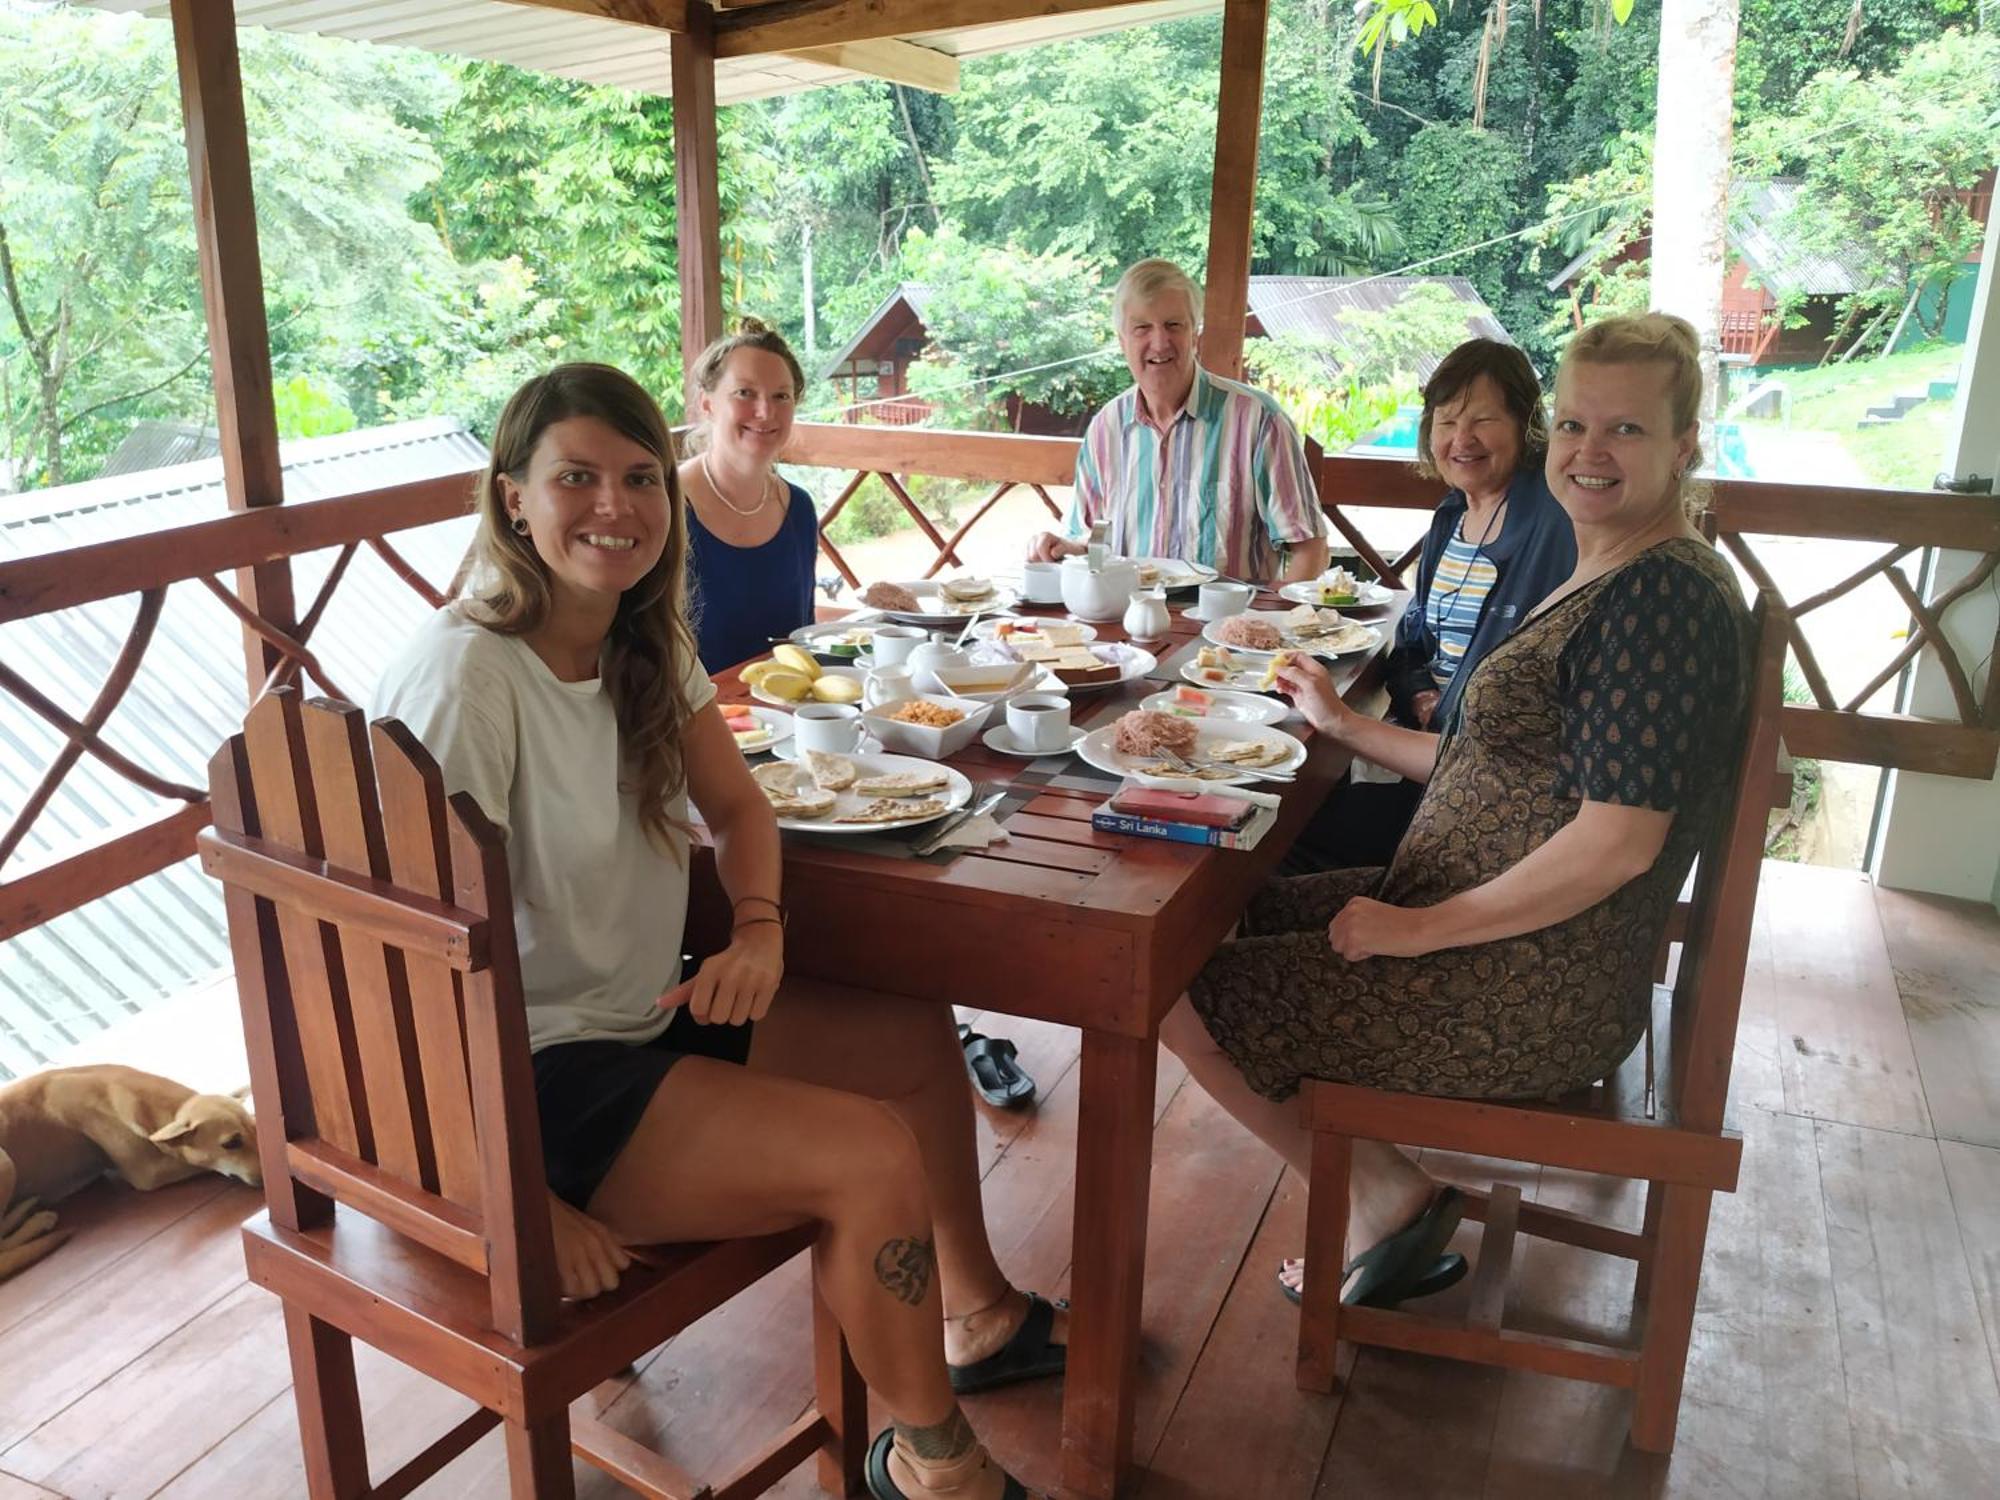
(929, 842)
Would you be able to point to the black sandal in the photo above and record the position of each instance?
(1028, 1355)
(996, 1076)
(1392, 1269)
(882, 1486)
(1448, 1270)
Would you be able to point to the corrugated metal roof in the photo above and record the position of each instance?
(1310, 306)
(157, 445)
(595, 49)
(1760, 232)
(77, 974)
(912, 294)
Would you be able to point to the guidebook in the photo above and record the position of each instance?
(1225, 817)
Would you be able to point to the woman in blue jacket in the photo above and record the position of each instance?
(1498, 544)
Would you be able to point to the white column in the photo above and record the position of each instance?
(1942, 833)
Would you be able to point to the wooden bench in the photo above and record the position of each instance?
(406, 1199)
(1660, 1119)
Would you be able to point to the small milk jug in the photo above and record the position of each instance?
(886, 685)
(1146, 617)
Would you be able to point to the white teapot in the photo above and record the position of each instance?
(1099, 593)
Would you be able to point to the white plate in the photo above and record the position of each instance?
(926, 590)
(814, 637)
(1001, 740)
(1133, 663)
(1096, 750)
(1241, 680)
(789, 749)
(989, 630)
(1357, 637)
(957, 792)
(1175, 573)
(1372, 596)
(1228, 707)
(777, 721)
(788, 704)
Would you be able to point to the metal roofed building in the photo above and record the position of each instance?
(71, 977)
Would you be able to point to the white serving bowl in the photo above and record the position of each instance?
(923, 739)
(962, 680)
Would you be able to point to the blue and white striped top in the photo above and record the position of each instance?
(1464, 577)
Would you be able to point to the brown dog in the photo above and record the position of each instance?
(63, 1129)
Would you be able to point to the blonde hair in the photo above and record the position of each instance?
(1146, 280)
(1649, 339)
(650, 644)
(750, 333)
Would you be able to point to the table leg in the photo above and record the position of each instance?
(1114, 1163)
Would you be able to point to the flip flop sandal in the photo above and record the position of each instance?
(1028, 1355)
(996, 1077)
(1448, 1270)
(883, 1487)
(1391, 1267)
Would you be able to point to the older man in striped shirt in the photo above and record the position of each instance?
(1187, 464)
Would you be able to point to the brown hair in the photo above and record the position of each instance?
(1508, 368)
(650, 644)
(1649, 338)
(750, 334)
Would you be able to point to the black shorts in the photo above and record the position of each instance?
(591, 1095)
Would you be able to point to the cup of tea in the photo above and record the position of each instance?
(1039, 721)
(830, 728)
(892, 644)
(1220, 600)
(1041, 583)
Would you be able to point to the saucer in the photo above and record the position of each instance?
(1000, 739)
(789, 749)
(1193, 612)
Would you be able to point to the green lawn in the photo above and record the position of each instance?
(1903, 455)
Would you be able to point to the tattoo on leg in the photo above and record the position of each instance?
(949, 1439)
(905, 1266)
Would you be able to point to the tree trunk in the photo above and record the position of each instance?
(1691, 172)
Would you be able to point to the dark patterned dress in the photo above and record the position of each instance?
(1629, 691)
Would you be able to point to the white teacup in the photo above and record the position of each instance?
(1039, 721)
(1041, 583)
(892, 644)
(830, 728)
(1218, 601)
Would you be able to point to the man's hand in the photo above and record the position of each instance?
(737, 984)
(1366, 928)
(1047, 547)
(588, 1255)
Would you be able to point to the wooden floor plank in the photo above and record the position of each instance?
(14, 1487)
(179, 1399)
(86, 1338)
(1973, 1175)
(1946, 956)
(1910, 1335)
(107, 1222)
(1843, 1043)
(1899, 1463)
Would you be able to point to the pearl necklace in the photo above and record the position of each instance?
(763, 500)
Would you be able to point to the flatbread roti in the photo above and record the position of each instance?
(1244, 752)
(893, 810)
(901, 784)
(781, 778)
(831, 773)
(811, 803)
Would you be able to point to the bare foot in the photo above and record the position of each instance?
(944, 1460)
(975, 1336)
(1372, 1223)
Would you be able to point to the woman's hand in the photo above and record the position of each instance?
(737, 984)
(1310, 687)
(1423, 705)
(1367, 928)
(588, 1255)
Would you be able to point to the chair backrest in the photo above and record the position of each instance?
(372, 930)
(1708, 989)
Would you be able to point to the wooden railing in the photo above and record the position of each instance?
(1901, 522)
(147, 566)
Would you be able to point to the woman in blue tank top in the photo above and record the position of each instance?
(752, 537)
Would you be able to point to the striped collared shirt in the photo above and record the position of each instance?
(1225, 485)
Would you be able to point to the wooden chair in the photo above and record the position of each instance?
(1658, 1118)
(406, 1202)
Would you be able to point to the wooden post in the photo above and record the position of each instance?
(232, 294)
(697, 196)
(1232, 199)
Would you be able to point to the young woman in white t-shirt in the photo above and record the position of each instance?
(565, 695)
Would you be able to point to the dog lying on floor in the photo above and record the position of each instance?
(62, 1130)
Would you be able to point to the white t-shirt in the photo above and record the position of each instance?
(599, 908)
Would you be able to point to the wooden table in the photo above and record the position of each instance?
(1063, 923)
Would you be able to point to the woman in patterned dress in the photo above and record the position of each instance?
(1506, 952)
